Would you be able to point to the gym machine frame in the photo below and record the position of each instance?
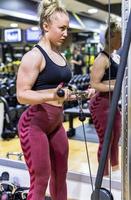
(126, 114)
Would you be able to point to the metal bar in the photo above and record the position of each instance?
(126, 114)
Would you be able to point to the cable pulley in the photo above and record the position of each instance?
(102, 193)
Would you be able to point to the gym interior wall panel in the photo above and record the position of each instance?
(21, 6)
(26, 11)
(19, 10)
(75, 23)
(92, 24)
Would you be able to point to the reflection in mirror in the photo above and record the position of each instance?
(102, 79)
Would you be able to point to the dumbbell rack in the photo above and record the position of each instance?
(10, 132)
(1, 117)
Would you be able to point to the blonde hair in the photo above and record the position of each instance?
(47, 8)
(112, 28)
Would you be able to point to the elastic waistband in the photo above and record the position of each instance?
(105, 94)
(51, 106)
(38, 107)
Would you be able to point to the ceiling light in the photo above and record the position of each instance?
(92, 11)
(13, 25)
(34, 28)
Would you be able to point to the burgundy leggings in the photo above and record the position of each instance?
(99, 108)
(45, 147)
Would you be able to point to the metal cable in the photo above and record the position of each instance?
(109, 39)
(87, 153)
(79, 100)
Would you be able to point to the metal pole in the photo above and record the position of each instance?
(126, 114)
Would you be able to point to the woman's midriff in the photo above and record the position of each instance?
(58, 103)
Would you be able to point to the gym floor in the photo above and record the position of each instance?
(77, 153)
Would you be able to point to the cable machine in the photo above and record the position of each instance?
(126, 113)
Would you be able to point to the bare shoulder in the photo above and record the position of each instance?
(32, 60)
(29, 68)
(101, 61)
(32, 56)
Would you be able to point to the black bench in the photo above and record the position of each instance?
(72, 112)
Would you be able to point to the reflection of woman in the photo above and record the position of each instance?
(42, 136)
(103, 75)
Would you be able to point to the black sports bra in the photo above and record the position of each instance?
(52, 75)
(110, 73)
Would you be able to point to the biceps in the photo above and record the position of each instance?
(97, 75)
(25, 80)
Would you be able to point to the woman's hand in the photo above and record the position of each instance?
(62, 93)
(90, 92)
(69, 95)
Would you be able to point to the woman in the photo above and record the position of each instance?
(42, 72)
(103, 77)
